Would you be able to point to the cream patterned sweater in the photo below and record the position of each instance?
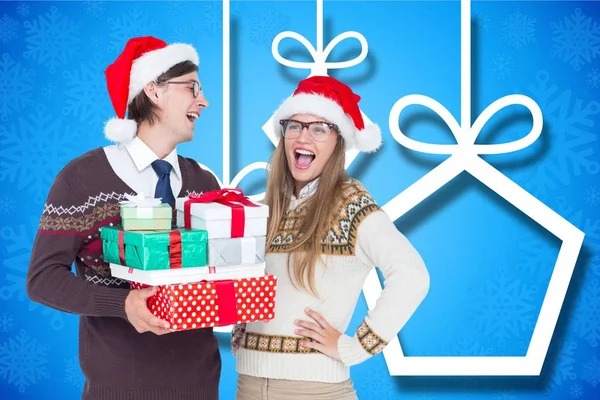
(362, 237)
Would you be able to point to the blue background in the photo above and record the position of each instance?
(489, 264)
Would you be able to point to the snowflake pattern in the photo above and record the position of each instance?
(174, 7)
(266, 25)
(591, 371)
(536, 255)
(17, 84)
(576, 391)
(86, 93)
(573, 136)
(23, 361)
(592, 196)
(518, 30)
(7, 204)
(96, 41)
(505, 396)
(484, 22)
(468, 345)
(95, 8)
(377, 379)
(587, 313)
(592, 78)
(49, 90)
(212, 16)
(8, 29)
(565, 368)
(7, 322)
(18, 244)
(73, 374)
(505, 307)
(131, 24)
(33, 150)
(23, 10)
(576, 39)
(53, 39)
(502, 66)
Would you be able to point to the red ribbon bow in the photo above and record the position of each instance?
(233, 198)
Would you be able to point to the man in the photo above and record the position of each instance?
(125, 352)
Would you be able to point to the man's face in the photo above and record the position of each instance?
(179, 108)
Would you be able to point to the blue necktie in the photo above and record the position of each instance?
(163, 187)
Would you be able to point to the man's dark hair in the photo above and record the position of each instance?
(141, 108)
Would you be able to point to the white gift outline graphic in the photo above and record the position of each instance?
(464, 156)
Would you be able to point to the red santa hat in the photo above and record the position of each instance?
(143, 60)
(334, 101)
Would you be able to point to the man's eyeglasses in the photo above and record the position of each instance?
(196, 88)
(317, 130)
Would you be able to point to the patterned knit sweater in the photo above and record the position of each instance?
(360, 238)
(117, 361)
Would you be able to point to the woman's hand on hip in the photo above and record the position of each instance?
(324, 336)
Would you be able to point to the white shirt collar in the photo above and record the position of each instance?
(308, 189)
(143, 156)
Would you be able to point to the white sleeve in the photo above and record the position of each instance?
(406, 282)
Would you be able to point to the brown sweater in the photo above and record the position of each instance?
(117, 361)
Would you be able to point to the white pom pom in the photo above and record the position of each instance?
(120, 130)
(369, 139)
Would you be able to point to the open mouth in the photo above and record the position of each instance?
(304, 158)
(192, 116)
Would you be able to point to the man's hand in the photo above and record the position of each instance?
(324, 336)
(138, 314)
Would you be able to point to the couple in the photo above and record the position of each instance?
(325, 234)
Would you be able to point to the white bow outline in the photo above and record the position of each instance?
(466, 136)
(319, 65)
(464, 156)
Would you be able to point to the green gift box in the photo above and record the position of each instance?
(154, 250)
(146, 218)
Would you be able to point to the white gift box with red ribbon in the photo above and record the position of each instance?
(223, 213)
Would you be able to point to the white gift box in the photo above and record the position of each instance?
(187, 275)
(215, 218)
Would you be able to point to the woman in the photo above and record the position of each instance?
(325, 234)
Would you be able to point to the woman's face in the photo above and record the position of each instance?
(307, 152)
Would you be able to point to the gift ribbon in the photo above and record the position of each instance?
(121, 243)
(227, 302)
(319, 65)
(175, 252)
(175, 249)
(233, 198)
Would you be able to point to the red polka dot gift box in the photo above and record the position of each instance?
(216, 303)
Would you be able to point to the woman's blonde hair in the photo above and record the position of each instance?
(307, 247)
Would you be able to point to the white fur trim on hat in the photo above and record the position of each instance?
(152, 64)
(368, 139)
(320, 106)
(120, 130)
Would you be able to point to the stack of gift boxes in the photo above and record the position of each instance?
(210, 270)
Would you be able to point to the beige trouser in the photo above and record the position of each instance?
(253, 388)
